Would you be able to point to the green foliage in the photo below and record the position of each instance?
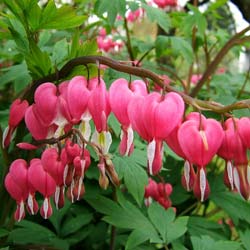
(38, 39)
(158, 16)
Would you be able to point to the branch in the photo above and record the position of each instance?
(140, 72)
(235, 40)
(128, 42)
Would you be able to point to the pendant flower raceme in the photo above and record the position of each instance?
(60, 121)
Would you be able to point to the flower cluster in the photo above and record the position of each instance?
(106, 43)
(49, 176)
(60, 115)
(159, 192)
(165, 3)
(198, 139)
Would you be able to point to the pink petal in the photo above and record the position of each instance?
(17, 111)
(99, 106)
(46, 102)
(34, 125)
(40, 179)
(77, 96)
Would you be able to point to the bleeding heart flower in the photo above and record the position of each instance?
(35, 126)
(99, 109)
(77, 97)
(188, 176)
(244, 131)
(17, 186)
(53, 165)
(120, 94)
(46, 102)
(200, 141)
(165, 3)
(43, 183)
(235, 154)
(17, 112)
(154, 117)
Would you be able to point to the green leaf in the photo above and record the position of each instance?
(16, 73)
(80, 235)
(4, 248)
(245, 237)
(233, 204)
(73, 224)
(135, 177)
(177, 229)
(59, 18)
(29, 232)
(106, 6)
(19, 35)
(112, 8)
(200, 226)
(60, 52)
(178, 45)
(161, 218)
(158, 15)
(115, 125)
(57, 218)
(207, 243)
(183, 47)
(38, 62)
(125, 215)
(33, 14)
(3, 232)
(102, 204)
(196, 19)
(136, 238)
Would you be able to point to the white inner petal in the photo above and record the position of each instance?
(248, 174)
(46, 207)
(204, 139)
(57, 195)
(85, 129)
(31, 204)
(5, 135)
(236, 180)
(130, 139)
(230, 174)
(21, 211)
(83, 164)
(108, 141)
(65, 173)
(187, 174)
(59, 131)
(202, 183)
(151, 155)
(79, 188)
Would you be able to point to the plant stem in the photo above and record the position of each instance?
(128, 42)
(188, 209)
(244, 84)
(236, 39)
(141, 72)
(112, 238)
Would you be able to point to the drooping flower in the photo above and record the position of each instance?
(17, 112)
(234, 151)
(17, 186)
(200, 141)
(120, 94)
(244, 131)
(165, 3)
(53, 165)
(99, 109)
(154, 117)
(159, 192)
(42, 181)
(188, 176)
